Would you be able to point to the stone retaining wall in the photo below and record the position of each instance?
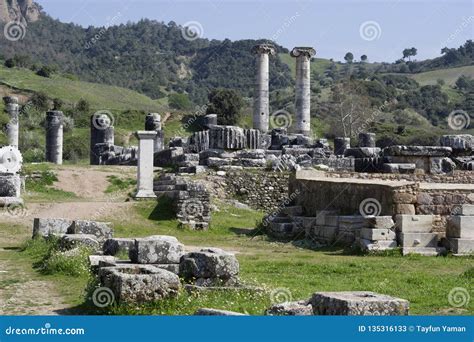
(258, 188)
(458, 177)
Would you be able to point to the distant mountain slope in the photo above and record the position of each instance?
(448, 75)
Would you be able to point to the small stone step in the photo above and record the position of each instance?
(426, 251)
(419, 239)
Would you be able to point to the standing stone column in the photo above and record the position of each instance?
(341, 144)
(145, 164)
(13, 110)
(366, 139)
(303, 91)
(102, 132)
(261, 111)
(153, 123)
(54, 137)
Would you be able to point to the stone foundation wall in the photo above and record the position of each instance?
(259, 189)
(458, 177)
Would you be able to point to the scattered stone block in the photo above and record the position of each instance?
(210, 267)
(50, 226)
(351, 222)
(379, 245)
(461, 246)
(358, 303)
(467, 210)
(460, 227)
(139, 283)
(414, 223)
(95, 261)
(377, 234)
(299, 308)
(425, 251)
(404, 209)
(101, 230)
(321, 217)
(117, 245)
(419, 239)
(381, 222)
(158, 249)
(71, 241)
(216, 312)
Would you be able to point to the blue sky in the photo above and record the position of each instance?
(381, 29)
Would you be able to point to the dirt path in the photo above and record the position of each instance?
(22, 292)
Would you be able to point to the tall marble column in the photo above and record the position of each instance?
(13, 110)
(261, 101)
(54, 137)
(153, 123)
(145, 164)
(303, 91)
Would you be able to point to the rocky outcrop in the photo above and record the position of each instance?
(24, 11)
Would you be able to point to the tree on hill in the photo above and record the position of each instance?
(227, 104)
(349, 57)
(363, 58)
(408, 53)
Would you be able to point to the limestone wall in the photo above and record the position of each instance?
(257, 188)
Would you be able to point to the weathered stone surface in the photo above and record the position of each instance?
(425, 251)
(341, 144)
(209, 266)
(380, 245)
(117, 245)
(366, 139)
(414, 223)
(404, 209)
(158, 249)
(419, 239)
(227, 137)
(461, 246)
(467, 210)
(399, 168)
(299, 308)
(431, 151)
(216, 312)
(362, 152)
(461, 144)
(377, 234)
(139, 284)
(460, 227)
(51, 226)
(358, 303)
(71, 241)
(101, 230)
(381, 222)
(351, 222)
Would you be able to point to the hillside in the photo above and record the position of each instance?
(99, 96)
(448, 75)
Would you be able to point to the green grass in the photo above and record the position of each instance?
(100, 96)
(42, 188)
(449, 76)
(119, 184)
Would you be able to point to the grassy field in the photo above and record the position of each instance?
(449, 76)
(100, 96)
(291, 269)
